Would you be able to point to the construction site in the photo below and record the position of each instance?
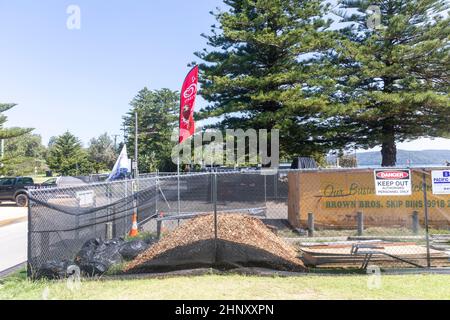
(286, 221)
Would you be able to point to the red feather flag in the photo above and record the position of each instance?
(187, 101)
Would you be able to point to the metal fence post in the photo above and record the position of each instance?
(158, 229)
(77, 223)
(178, 186)
(310, 224)
(360, 219)
(118, 226)
(215, 215)
(45, 242)
(124, 218)
(77, 226)
(135, 197)
(137, 191)
(265, 190)
(211, 179)
(108, 230)
(275, 184)
(158, 222)
(415, 222)
(29, 255)
(425, 205)
(156, 193)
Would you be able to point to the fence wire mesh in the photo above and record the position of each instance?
(287, 219)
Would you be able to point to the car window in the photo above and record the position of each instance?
(6, 181)
(49, 181)
(26, 181)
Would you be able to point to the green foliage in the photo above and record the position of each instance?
(28, 145)
(394, 76)
(67, 157)
(13, 163)
(24, 155)
(101, 153)
(7, 133)
(157, 118)
(276, 64)
(267, 72)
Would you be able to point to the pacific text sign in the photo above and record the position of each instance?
(441, 181)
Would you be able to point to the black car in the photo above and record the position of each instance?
(15, 189)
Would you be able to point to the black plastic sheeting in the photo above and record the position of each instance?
(94, 258)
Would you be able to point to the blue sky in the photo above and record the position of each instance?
(82, 80)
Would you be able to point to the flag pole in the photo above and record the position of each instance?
(188, 91)
(178, 179)
(178, 164)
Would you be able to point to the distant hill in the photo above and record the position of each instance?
(425, 157)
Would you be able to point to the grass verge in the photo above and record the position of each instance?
(234, 287)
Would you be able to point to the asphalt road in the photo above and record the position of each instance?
(13, 235)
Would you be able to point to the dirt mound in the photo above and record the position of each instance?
(242, 241)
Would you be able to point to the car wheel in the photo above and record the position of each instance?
(21, 200)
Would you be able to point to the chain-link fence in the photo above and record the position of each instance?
(360, 224)
(287, 219)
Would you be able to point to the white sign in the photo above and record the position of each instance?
(440, 180)
(85, 198)
(392, 182)
(134, 186)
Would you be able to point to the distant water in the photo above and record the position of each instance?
(413, 159)
(408, 166)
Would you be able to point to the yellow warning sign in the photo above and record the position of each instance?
(335, 198)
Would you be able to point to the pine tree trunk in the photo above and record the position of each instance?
(389, 150)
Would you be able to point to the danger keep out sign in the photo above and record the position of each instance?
(392, 182)
(441, 181)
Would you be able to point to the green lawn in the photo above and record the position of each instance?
(234, 287)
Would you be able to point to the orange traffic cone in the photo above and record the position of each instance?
(134, 227)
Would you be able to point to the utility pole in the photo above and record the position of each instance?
(124, 129)
(136, 132)
(115, 141)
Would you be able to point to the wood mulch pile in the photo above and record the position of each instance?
(243, 241)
